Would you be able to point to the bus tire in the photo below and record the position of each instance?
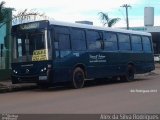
(78, 78)
(129, 76)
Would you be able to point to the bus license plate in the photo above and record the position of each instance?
(42, 77)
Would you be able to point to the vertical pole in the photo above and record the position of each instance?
(126, 6)
(127, 18)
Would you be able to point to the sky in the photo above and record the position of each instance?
(79, 10)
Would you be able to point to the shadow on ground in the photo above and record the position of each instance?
(91, 83)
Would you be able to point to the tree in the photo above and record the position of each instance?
(28, 15)
(1, 13)
(22, 16)
(106, 20)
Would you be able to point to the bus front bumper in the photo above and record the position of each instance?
(29, 79)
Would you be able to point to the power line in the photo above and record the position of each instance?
(126, 6)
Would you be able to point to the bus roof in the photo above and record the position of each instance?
(79, 25)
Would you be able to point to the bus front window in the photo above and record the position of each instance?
(27, 44)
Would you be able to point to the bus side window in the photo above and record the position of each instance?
(146, 44)
(78, 41)
(64, 42)
(110, 41)
(124, 42)
(136, 43)
(64, 45)
(94, 40)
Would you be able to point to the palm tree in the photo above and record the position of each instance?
(1, 13)
(106, 20)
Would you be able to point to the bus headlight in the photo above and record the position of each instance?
(43, 69)
(14, 71)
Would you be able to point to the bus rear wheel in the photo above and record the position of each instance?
(78, 78)
(129, 74)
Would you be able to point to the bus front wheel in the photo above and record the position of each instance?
(129, 74)
(78, 78)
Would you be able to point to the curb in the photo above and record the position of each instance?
(16, 88)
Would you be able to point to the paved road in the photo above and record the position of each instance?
(140, 96)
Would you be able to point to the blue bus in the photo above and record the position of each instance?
(50, 52)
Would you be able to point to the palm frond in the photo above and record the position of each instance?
(113, 21)
(104, 18)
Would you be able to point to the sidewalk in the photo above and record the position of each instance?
(7, 86)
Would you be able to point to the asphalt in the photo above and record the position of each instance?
(7, 86)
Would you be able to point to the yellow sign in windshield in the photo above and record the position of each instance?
(40, 55)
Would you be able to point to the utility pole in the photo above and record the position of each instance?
(127, 21)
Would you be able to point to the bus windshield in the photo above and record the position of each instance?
(31, 44)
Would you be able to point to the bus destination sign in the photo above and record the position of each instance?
(29, 26)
